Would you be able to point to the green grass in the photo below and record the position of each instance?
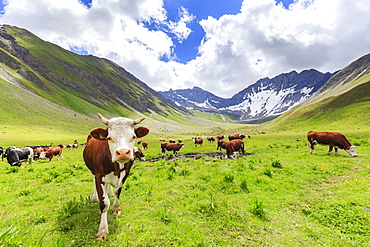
(279, 196)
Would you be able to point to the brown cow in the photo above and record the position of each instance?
(139, 154)
(219, 137)
(37, 152)
(109, 155)
(236, 137)
(234, 146)
(51, 152)
(198, 141)
(333, 139)
(144, 144)
(210, 139)
(175, 147)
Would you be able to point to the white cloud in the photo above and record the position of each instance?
(180, 28)
(264, 39)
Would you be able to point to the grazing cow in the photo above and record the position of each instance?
(51, 152)
(198, 141)
(234, 146)
(16, 156)
(1, 151)
(219, 137)
(236, 137)
(210, 139)
(171, 141)
(333, 139)
(144, 144)
(109, 154)
(139, 154)
(37, 152)
(179, 141)
(175, 147)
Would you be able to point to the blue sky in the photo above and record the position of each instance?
(222, 46)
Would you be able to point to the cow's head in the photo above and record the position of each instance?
(121, 135)
(352, 151)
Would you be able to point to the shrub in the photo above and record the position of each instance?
(276, 163)
(258, 209)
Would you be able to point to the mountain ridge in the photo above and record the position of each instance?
(265, 98)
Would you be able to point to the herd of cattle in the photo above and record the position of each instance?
(15, 156)
(109, 154)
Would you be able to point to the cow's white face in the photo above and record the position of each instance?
(352, 151)
(121, 139)
(121, 135)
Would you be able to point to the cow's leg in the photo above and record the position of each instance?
(330, 149)
(104, 206)
(336, 150)
(95, 195)
(312, 147)
(116, 205)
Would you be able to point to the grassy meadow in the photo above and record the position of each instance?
(278, 195)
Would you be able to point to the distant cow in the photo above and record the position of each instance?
(1, 151)
(138, 154)
(219, 137)
(109, 154)
(175, 147)
(144, 144)
(198, 141)
(16, 156)
(234, 146)
(51, 152)
(236, 137)
(333, 139)
(210, 139)
(171, 141)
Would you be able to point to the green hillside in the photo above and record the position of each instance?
(66, 78)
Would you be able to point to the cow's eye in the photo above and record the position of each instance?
(133, 138)
(110, 139)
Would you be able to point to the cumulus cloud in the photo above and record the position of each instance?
(263, 39)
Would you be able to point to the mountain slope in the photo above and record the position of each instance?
(62, 76)
(265, 98)
(343, 102)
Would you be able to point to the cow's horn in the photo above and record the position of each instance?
(103, 119)
(138, 120)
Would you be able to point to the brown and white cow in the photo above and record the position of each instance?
(175, 147)
(236, 137)
(198, 141)
(220, 137)
(51, 152)
(138, 154)
(144, 144)
(333, 139)
(234, 146)
(109, 154)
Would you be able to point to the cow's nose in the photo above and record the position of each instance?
(123, 154)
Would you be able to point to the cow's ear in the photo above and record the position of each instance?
(141, 131)
(99, 133)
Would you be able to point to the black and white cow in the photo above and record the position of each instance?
(1, 151)
(16, 156)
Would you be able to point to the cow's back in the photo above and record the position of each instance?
(97, 156)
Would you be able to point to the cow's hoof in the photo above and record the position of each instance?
(101, 236)
(116, 211)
